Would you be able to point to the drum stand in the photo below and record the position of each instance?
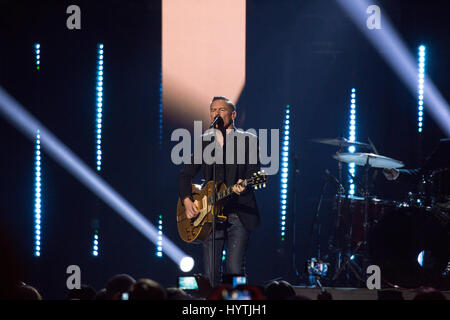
(338, 249)
(365, 247)
(335, 248)
(348, 264)
(345, 262)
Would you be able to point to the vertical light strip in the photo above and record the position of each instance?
(159, 250)
(284, 173)
(420, 91)
(95, 243)
(99, 99)
(37, 51)
(352, 137)
(98, 127)
(37, 197)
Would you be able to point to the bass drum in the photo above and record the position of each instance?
(352, 217)
(411, 246)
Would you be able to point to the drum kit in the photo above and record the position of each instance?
(408, 239)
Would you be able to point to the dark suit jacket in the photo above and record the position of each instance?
(245, 204)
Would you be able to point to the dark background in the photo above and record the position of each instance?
(304, 53)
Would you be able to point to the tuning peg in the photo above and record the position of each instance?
(259, 172)
(255, 187)
(264, 185)
(254, 173)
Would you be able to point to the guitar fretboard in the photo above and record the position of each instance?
(226, 192)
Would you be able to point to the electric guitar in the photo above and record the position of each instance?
(200, 227)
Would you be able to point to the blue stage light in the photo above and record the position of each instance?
(421, 76)
(37, 47)
(95, 243)
(99, 89)
(352, 137)
(159, 248)
(37, 196)
(284, 173)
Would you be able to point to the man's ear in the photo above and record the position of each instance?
(233, 115)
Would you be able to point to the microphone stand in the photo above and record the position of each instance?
(213, 247)
(213, 254)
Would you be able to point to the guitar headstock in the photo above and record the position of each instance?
(258, 180)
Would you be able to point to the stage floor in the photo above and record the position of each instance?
(357, 293)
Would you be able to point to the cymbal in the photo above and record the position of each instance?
(341, 142)
(375, 160)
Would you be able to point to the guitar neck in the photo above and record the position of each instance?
(228, 191)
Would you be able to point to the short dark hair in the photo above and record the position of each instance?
(228, 101)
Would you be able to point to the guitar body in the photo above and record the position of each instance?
(200, 227)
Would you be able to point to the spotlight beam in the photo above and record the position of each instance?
(391, 47)
(20, 118)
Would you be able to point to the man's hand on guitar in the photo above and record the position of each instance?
(191, 209)
(238, 188)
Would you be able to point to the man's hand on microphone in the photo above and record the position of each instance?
(191, 209)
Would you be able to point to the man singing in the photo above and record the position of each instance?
(241, 208)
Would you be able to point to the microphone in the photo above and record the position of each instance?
(334, 179)
(217, 120)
